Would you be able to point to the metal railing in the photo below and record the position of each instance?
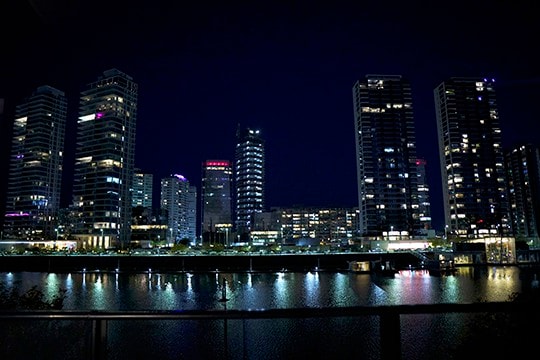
(389, 319)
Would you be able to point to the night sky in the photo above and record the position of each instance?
(284, 67)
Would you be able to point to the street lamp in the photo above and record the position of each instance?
(102, 239)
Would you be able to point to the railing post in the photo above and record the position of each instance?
(99, 339)
(390, 331)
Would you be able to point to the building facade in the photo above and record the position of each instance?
(305, 226)
(249, 179)
(523, 174)
(216, 207)
(385, 157)
(178, 206)
(35, 171)
(142, 190)
(104, 161)
(471, 158)
(191, 215)
(424, 205)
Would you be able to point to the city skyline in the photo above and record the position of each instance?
(286, 70)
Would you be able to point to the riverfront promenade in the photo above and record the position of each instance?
(192, 263)
(240, 262)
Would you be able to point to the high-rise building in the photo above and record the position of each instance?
(104, 160)
(191, 216)
(142, 189)
(523, 174)
(216, 209)
(5, 146)
(35, 171)
(178, 206)
(249, 179)
(424, 205)
(471, 158)
(385, 157)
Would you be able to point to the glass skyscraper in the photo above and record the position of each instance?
(104, 161)
(36, 164)
(471, 158)
(249, 179)
(385, 157)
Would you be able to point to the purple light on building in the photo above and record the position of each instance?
(99, 115)
(180, 177)
(17, 214)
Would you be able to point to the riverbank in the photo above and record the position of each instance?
(193, 263)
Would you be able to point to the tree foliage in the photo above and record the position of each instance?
(32, 299)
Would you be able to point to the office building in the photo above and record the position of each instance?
(216, 208)
(249, 179)
(471, 158)
(104, 161)
(385, 157)
(178, 206)
(523, 174)
(35, 170)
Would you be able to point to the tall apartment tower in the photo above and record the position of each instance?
(35, 171)
(424, 205)
(471, 157)
(385, 157)
(191, 216)
(104, 160)
(142, 190)
(5, 146)
(177, 204)
(523, 174)
(249, 179)
(216, 209)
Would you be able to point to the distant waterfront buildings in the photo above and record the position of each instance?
(486, 193)
(35, 170)
(216, 207)
(386, 157)
(471, 158)
(249, 172)
(104, 161)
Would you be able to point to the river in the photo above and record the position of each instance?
(266, 290)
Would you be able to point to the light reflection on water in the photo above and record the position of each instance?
(277, 338)
(171, 291)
